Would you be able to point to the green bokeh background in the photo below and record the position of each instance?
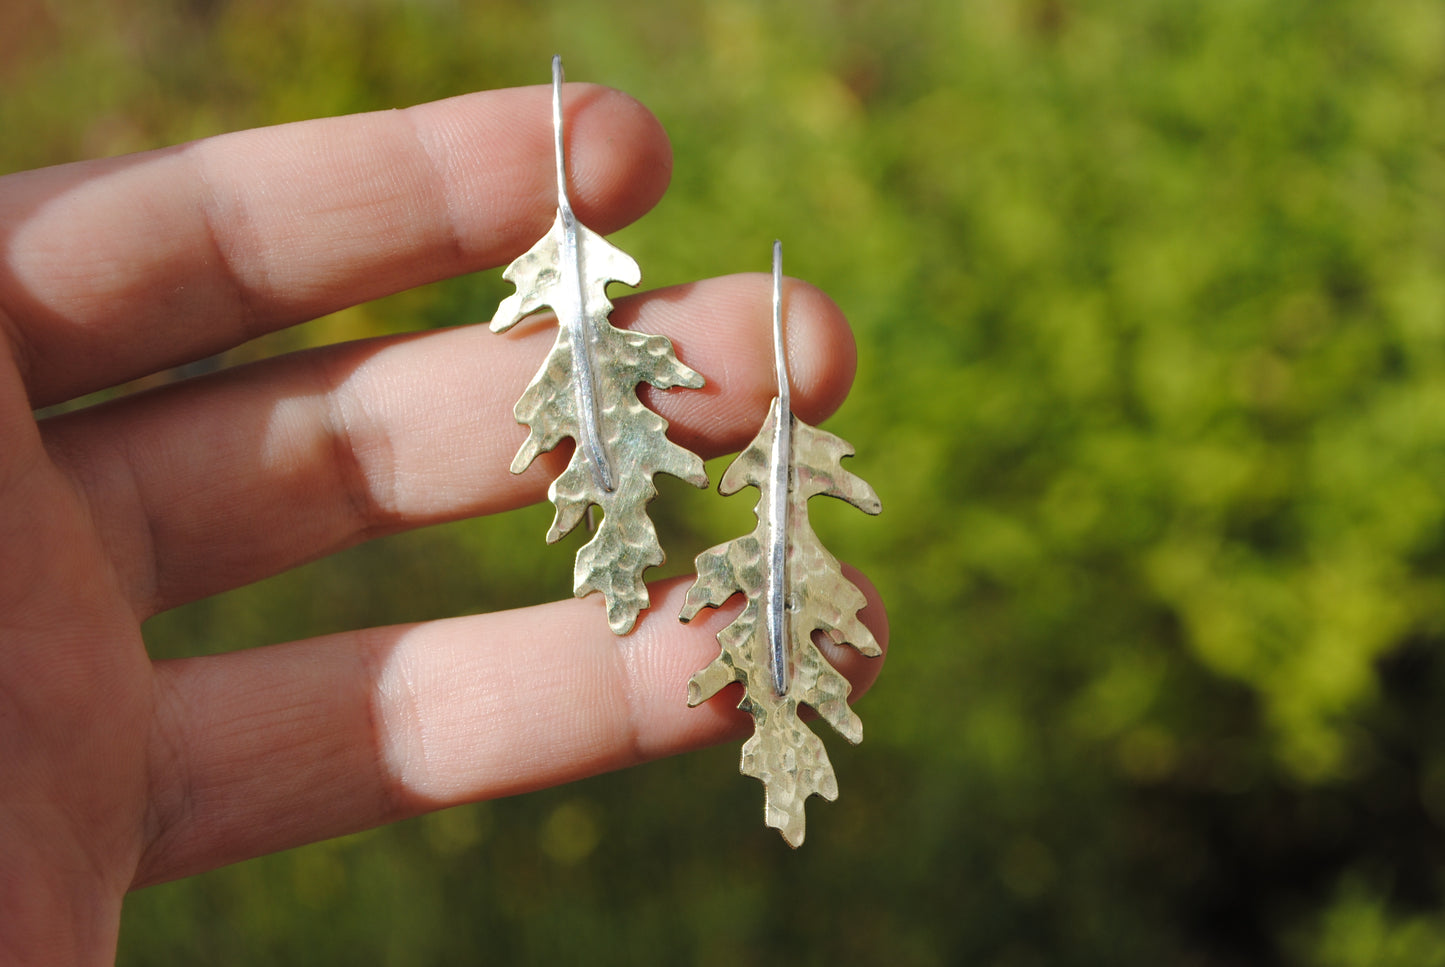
(1150, 306)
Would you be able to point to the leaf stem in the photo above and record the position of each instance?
(574, 316)
(780, 467)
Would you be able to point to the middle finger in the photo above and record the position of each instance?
(213, 483)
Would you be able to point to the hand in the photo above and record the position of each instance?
(116, 771)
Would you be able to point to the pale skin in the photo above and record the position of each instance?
(117, 771)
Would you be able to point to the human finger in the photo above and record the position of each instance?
(268, 748)
(115, 268)
(219, 481)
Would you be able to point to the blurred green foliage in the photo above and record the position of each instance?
(1151, 315)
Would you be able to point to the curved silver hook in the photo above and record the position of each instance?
(558, 77)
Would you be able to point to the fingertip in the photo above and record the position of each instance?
(620, 159)
(822, 355)
(493, 151)
(723, 328)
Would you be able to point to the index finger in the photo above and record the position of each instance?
(112, 269)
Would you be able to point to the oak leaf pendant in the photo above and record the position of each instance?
(587, 390)
(794, 588)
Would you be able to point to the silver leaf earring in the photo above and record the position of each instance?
(794, 589)
(587, 389)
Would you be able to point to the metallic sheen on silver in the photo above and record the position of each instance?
(776, 606)
(573, 316)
